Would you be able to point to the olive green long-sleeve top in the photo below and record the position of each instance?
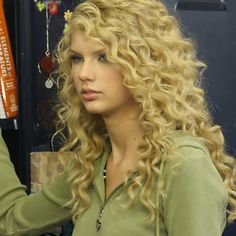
(195, 203)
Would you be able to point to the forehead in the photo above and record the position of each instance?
(79, 41)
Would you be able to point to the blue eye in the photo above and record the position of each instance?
(75, 58)
(103, 57)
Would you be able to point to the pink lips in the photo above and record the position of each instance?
(89, 94)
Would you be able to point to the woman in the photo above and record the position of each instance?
(147, 159)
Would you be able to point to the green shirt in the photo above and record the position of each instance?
(195, 204)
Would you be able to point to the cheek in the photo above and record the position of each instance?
(76, 85)
(113, 71)
(75, 80)
(74, 74)
(115, 83)
(117, 87)
(114, 76)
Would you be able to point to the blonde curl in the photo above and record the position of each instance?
(146, 41)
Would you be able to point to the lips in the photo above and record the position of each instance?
(88, 90)
(89, 94)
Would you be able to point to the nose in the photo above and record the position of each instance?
(86, 72)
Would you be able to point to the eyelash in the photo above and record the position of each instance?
(77, 58)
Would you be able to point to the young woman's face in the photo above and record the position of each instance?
(98, 82)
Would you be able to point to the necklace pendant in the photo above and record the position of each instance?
(99, 219)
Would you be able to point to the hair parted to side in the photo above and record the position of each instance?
(162, 72)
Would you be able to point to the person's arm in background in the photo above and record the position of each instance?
(22, 214)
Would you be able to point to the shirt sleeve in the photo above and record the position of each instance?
(22, 214)
(196, 197)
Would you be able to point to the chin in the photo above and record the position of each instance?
(101, 112)
(99, 109)
(94, 110)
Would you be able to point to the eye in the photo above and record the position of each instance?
(103, 57)
(75, 58)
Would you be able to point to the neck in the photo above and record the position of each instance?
(125, 134)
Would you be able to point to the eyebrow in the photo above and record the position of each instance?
(93, 52)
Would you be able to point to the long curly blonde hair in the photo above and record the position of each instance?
(146, 41)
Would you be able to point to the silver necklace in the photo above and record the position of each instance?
(99, 218)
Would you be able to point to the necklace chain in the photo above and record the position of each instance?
(104, 174)
(99, 218)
